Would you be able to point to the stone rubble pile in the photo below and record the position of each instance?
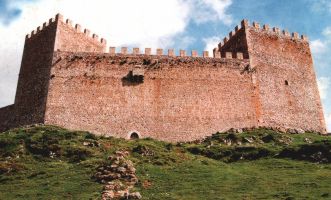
(144, 151)
(91, 143)
(279, 129)
(308, 140)
(119, 177)
(234, 138)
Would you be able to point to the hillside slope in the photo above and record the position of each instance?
(45, 162)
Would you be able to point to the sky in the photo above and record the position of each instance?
(179, 24)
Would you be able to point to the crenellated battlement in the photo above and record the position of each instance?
(237, 39)
(217, 53)
(258, 76)
(69, 24)
(45, 25)
(171, 53)
(275, 30)
(78, 29)
(266, 29)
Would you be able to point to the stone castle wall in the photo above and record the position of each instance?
(7, 116)
(31, 93)
(37, 60)
(284, 77)
(180, 98)
(257, 77)
(75, 39)
(286, 80)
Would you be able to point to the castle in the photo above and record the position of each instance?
(257, 76)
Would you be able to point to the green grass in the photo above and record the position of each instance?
(52, 163)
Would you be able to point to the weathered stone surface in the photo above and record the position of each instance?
(179, 99)
(308, 140)
(284, 80)
(118, 178)
(270, 84)
(135, 195)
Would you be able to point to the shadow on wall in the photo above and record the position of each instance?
(132, 79)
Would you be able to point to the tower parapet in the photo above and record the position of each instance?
(277, 56)
(237, 41)
(258, 76)
(72, 38)
(69, 37)
(39, 47)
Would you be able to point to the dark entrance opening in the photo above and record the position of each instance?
(134, 136)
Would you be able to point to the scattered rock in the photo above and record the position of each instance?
(91, 144)
(295, 131)
(233, 130)
(144, 151)
(228, 142)
(318, 152)
(119, 177)
(147, 184)
(52, 154)
(307, 140)
(239, 131)
(300, 131)
(292, 131)
(248, 140)
(135, 195)
(282, 130)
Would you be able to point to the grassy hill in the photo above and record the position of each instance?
(46, 162)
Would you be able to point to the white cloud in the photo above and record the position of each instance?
(321, 5)
(318, 47)
(211, 10)
(143, 23)
(211, 43)
(125, 22)
(186, 41)
(328, 122)
(323, 86)
(220, 7)
(327, 32)
(321, 51)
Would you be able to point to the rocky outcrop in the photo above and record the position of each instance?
(119, 176)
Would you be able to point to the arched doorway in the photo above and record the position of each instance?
(134, 136)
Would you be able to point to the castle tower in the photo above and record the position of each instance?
(286, 92)
(34, 76)
(257, 77)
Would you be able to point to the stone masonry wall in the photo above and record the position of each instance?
(74, 39)
(32, 87)
(236, 42)
(34, 74)
(270, 83)
(286, 92)
(286, 80)
(7, 116)
(180, 98)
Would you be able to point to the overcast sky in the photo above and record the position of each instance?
(179, 24)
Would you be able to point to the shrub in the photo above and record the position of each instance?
(7, 147)
(91, 136)
(10, 167)
(77, 154)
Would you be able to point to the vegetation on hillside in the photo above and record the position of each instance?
(46, 162)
